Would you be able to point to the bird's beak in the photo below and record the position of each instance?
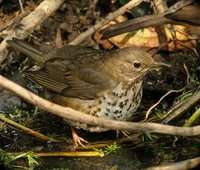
(159, 65)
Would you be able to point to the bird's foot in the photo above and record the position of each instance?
(124, 132)
(77, 139)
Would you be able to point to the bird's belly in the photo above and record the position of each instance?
(120, 105)
(115, 105)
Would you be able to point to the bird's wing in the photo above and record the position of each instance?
(71, 80)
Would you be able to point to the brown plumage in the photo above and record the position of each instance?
(105, 84)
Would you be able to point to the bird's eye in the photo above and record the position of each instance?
(136, 64)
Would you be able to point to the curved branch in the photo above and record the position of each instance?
(107, 19)
(68, 113)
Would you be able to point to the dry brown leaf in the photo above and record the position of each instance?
(107, 44)
(181, 41)
(147, 38)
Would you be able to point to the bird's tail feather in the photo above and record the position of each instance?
(27, 49)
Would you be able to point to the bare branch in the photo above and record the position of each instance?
(103, 22)
(184, 165)
(71, 114)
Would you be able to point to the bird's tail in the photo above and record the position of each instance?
(28, 50)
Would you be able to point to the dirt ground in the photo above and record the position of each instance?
(143, 151)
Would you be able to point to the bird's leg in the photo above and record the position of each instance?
(124, 132)
(77, 139)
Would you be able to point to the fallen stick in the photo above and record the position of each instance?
(68, 113)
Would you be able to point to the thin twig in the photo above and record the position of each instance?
(21, 6)
(152, 107)
(68, 154)
(14, 20)
(183, 165)
(30, 23)
(193, 118)
(27, 130)
(103, 22)
(181, 107)
(187, 73)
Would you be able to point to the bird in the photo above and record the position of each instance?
(184, 12)
(102, 83)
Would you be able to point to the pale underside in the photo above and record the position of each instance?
(116, 104)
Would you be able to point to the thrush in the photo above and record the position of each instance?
(185, 12)
(106, 84)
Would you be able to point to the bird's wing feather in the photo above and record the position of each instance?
(64, 77)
